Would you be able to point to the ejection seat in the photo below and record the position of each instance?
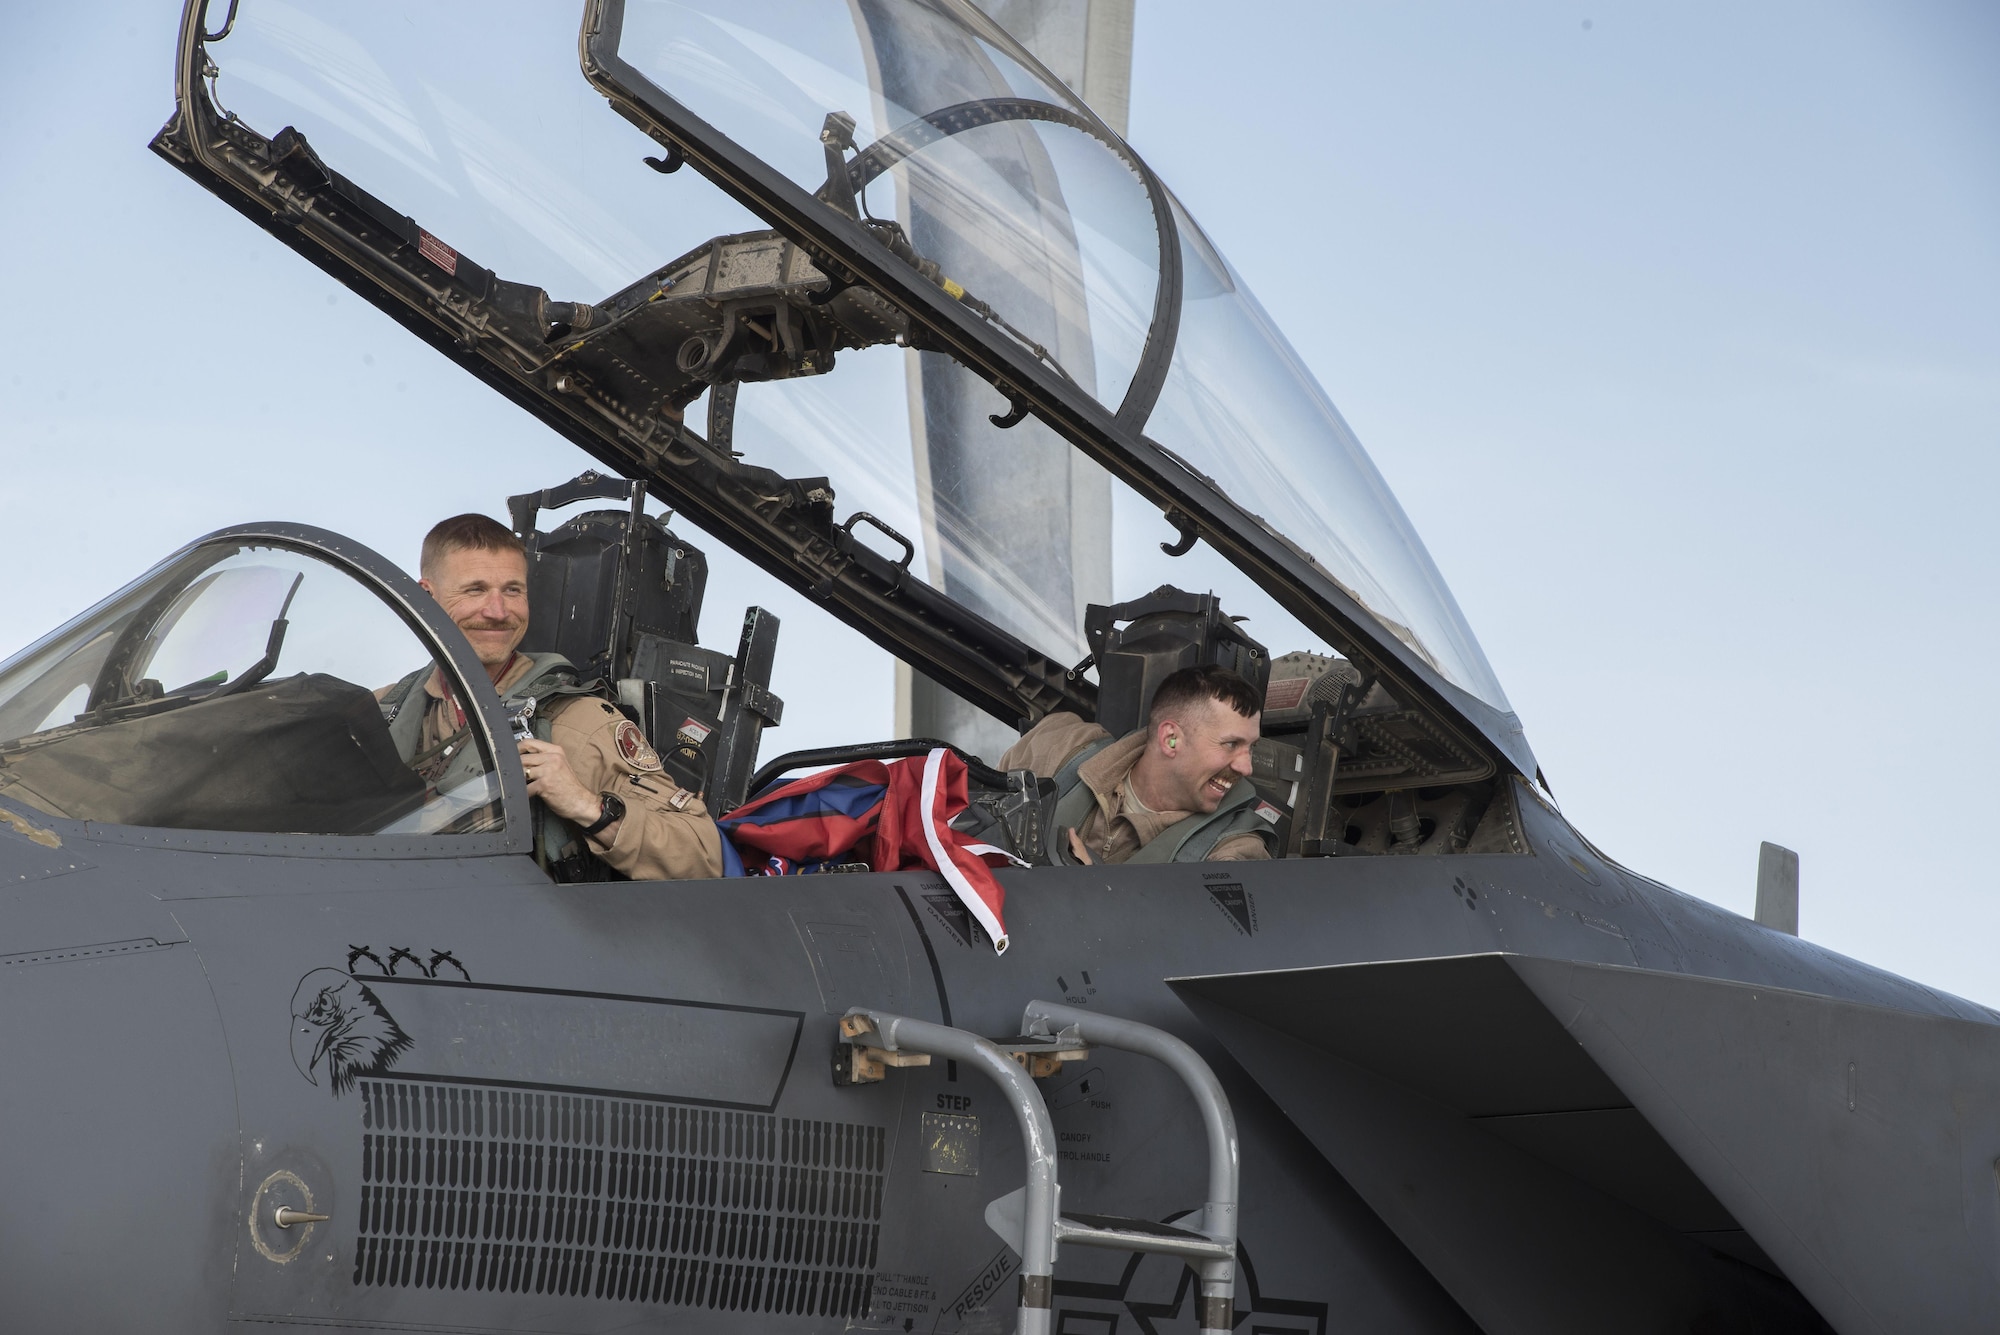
(1136, 645)
(619, 594)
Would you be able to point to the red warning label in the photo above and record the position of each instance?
(437, 252)
(1285, 692)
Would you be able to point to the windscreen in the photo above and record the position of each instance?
(239, 686)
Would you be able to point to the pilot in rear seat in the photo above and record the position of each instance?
(1177, 790)
(605, 808)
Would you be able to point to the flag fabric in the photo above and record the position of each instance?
(895, 815)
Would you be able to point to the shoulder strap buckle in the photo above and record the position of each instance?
(520, 712)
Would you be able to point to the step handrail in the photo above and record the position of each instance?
(1218, 1276)
(1033, 1213)
(1038, 1140)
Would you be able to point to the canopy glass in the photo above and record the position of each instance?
(983, 163)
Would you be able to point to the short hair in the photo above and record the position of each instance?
(466, 533)
(1205, 681)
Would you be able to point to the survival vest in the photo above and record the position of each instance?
(559, 847)
(1190, 839)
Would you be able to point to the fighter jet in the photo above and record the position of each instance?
(299, 1039)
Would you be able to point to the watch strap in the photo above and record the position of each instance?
(612, 810)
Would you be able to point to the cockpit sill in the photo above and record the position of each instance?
(502, 332)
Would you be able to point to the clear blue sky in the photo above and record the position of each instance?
(1675, 326)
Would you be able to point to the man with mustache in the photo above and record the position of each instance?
(605, 806)
(1176, 790)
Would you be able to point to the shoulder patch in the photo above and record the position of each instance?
(632, 748)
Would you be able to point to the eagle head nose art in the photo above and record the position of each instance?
(341, 1029)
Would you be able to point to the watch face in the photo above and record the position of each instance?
(611, 810)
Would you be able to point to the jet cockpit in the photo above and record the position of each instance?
(941, 353)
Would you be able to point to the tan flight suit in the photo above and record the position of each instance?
(1120, 824)
(666, 834)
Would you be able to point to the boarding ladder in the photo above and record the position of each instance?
(1031, 1219)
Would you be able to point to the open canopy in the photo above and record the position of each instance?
(1037, 345)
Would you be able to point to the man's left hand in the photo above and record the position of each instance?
(1078, 850)
(551, 779)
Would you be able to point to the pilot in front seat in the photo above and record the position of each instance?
(1176, 790)
(605, 805)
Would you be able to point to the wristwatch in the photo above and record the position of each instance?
(613, 811)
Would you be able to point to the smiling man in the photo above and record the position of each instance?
(604, 806)
(1176, 790)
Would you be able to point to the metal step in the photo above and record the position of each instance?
(1030, 1219)
(1109, 1230)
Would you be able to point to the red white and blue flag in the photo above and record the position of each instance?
(895, 815)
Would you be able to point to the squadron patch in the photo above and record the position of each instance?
(632, 748)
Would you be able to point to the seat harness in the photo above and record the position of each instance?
(1190, 839)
